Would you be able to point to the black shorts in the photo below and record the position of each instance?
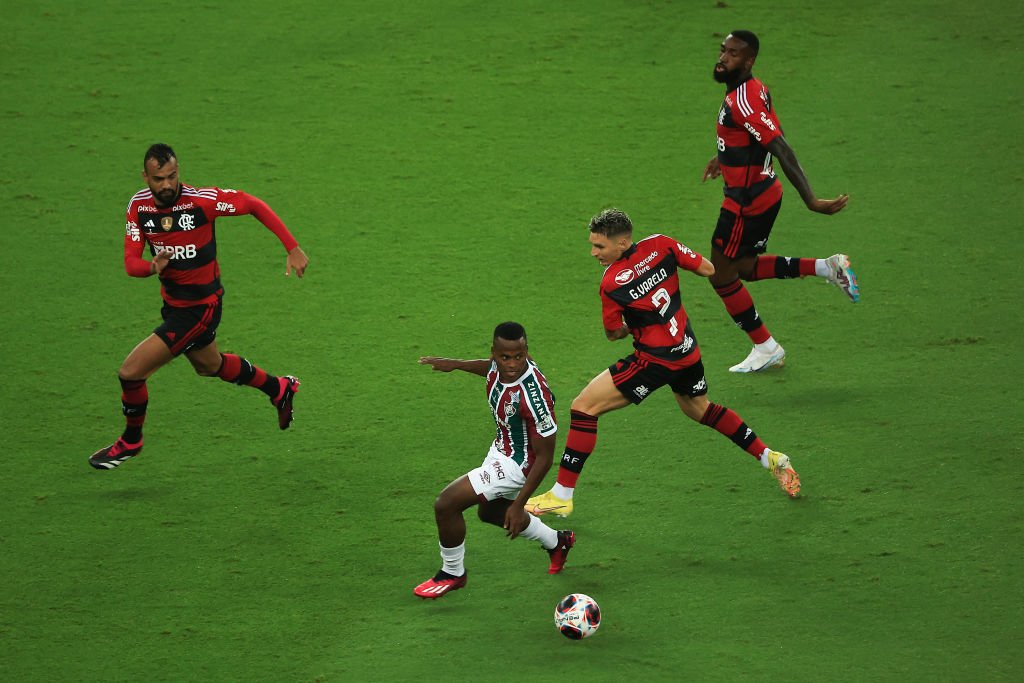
(187, 329)
(738, 236)
(638, 378)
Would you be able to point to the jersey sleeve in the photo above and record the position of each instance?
(611, 312)
(754, 113)
(134, 264)
(687, 258)
(540, 405)
(238, 203)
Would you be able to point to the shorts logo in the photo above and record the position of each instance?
(624, 276)
(167, 222)
(485, 478)
(641, 391)
(498, 472)
(701, 385)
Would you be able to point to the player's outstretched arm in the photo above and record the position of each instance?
(297, 261)
(474, 367)
(795, 173)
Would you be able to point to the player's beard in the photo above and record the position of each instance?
(726, 76)
(166, 198)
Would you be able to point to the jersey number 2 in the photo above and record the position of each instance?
(662, 299)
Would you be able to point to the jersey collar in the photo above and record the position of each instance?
(739, 83)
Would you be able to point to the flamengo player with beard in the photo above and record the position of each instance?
(749, 135)
(640, 297)
(176, 221)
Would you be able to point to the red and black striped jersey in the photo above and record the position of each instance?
(746, 124)
(192, 276)
(642, 290)
(523, 412)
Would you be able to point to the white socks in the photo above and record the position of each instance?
(539, 531)
(452, 559)
(821, 268)
(562, 492)
(764, 459)
(769, 345)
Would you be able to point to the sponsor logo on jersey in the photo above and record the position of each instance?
(150, 223)
(167, 222)
(767, 121)
(721, 115)
(178, 251)
(623, 276)
(536, 396)
(131, 229)
(685, 346)
(686, 250)
(752, 130)
(224, 207)
(182, 207)
(644, 265)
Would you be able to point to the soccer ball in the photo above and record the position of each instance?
(577, 616)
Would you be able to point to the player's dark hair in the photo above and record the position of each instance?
(161, 152)
(611, 223)
(749, 38)
(510, 331)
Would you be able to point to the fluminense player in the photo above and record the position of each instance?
(749, 135)
(640, 297)
(524, 412)
(176, 222)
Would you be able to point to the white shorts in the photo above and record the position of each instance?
(497, 477)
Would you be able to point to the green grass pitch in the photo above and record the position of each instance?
(438, 163)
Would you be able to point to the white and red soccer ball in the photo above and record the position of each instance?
(577, 616)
